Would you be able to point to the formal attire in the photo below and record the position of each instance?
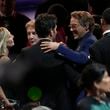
(100, 51)
(81, 55)
(46, 71)
(79, 58)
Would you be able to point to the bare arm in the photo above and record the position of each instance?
(4, 98)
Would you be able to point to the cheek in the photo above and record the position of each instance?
(10, 41)
(105, 85)
(35, 37)
(74, 30)
(28, 37)
(54, 33)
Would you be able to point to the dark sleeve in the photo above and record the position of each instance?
(72, 75)
(95, 54)
(83, 105)
(2, 68)
(80, 57)
(17, 69)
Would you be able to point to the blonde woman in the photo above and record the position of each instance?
(6, 41)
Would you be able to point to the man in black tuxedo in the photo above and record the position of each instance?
(100, 51)
(45, 71)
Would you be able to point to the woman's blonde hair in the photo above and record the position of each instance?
(4, 33)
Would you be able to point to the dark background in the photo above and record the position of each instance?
(30, 7)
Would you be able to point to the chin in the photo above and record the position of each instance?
(108, 91)
(11, 45)
(33, 44)
(76, 37)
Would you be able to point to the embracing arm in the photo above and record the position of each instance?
(77, 57)
(80, 57)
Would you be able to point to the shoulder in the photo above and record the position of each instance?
(4, 59)
(88, 40)
(84, 104)
(91, 38)
(24, 49)
(101, 43)
(84, 101)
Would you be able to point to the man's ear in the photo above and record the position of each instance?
(103, 21)
(96, 85)
(51, 32)
(87, 26)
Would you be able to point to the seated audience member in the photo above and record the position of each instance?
(31, 33)
(96, 81)
(6, 41)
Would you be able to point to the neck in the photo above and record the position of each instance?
(96, 95)
(45, 39)
(106, 27)
(83, 34)
(49, 38)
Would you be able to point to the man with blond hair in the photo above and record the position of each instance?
(31, 33)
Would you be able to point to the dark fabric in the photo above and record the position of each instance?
(90, 103)
(81, 56)
(45, 71)
(100, 51)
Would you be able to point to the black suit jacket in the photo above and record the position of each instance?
(100, 51)
(46, 71)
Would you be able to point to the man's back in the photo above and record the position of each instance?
(100, 51)
(45, 71)
(46, 68)
(33, 68)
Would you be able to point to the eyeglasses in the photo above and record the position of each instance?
(74, 25)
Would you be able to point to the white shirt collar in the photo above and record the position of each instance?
(107, 31)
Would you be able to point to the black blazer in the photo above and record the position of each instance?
(100, 51)
(47, 71)
(33, 66)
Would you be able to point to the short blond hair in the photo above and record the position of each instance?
(30, 23)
